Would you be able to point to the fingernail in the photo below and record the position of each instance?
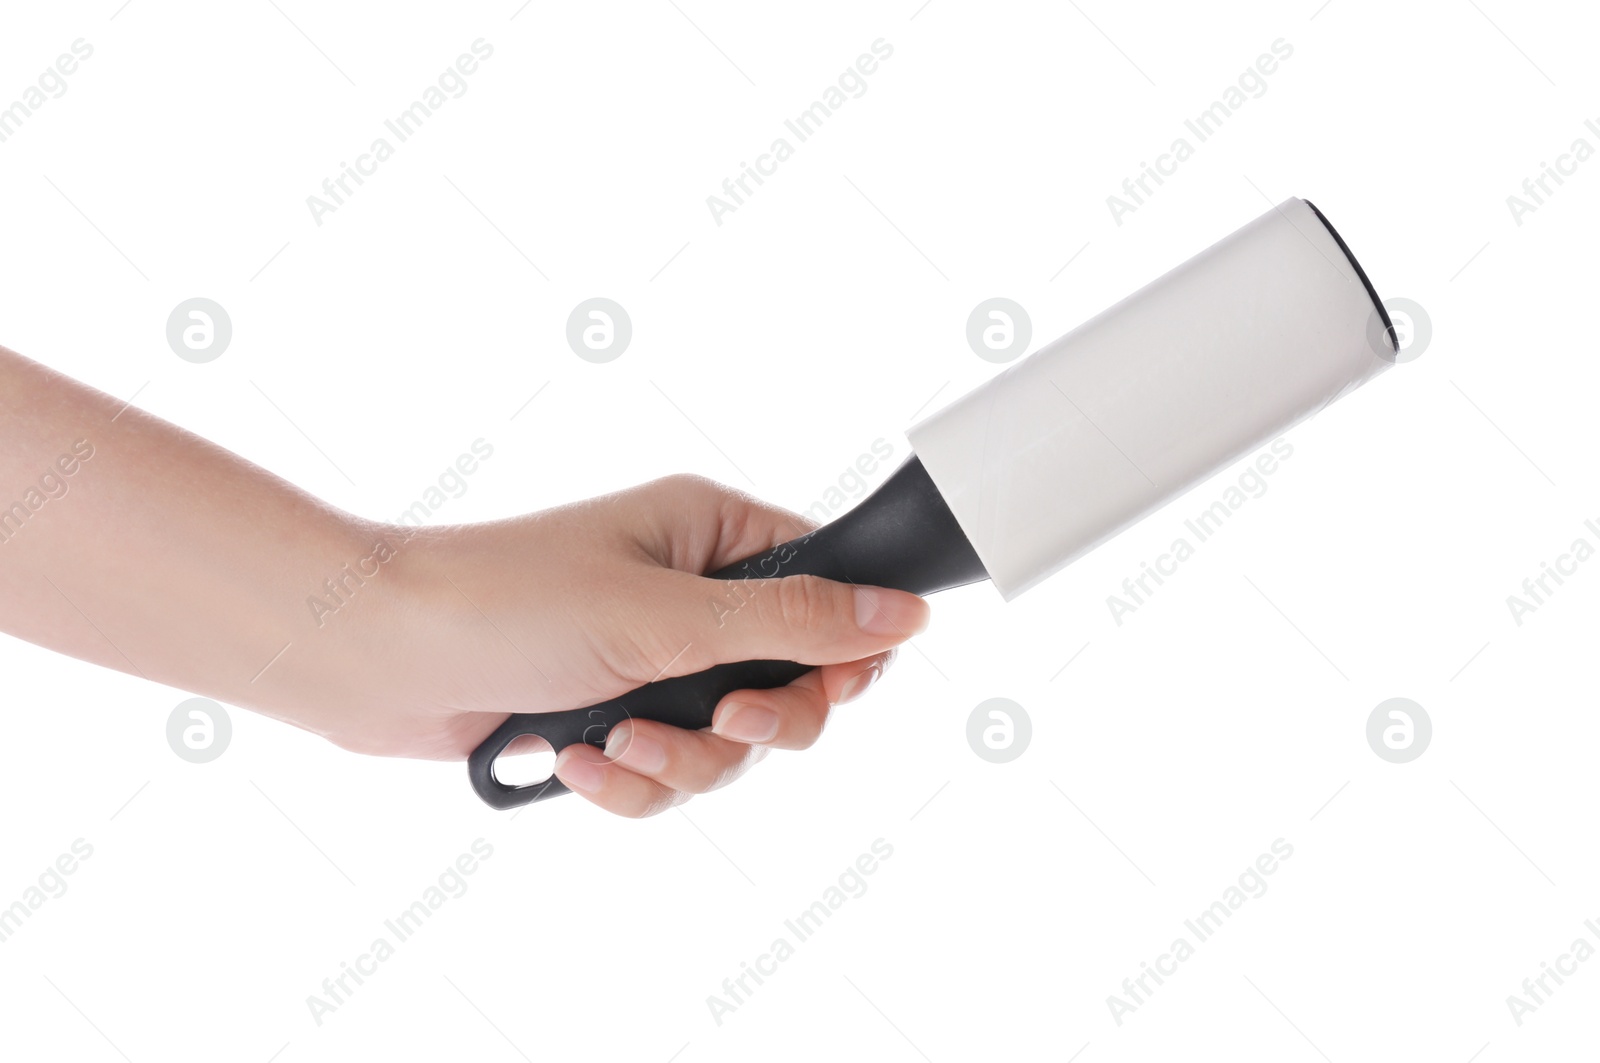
(748, 723)
(888, 613)
(858, 685)
(635, 751)
(579, 773)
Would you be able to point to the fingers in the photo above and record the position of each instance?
(847, 682)
(793, 716)
(648, 767)
(690, 525)
(694, 524)
(751, 526)
(807, 619)
(587, 773)
(788, 717)
(817, 621)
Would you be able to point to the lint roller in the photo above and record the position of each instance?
(1062, 450)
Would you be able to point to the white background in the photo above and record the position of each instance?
(770, 352)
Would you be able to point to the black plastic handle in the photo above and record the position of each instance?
(901, 536)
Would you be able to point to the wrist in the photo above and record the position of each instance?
(356, 630)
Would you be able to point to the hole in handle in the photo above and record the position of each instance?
(527, 760)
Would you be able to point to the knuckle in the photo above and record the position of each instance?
(681, 484)
(637, 653)
(625, 658)
(653, 802)
(807, 726)
(806, 603)
(731, 770)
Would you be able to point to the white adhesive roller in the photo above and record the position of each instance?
(1135, 406)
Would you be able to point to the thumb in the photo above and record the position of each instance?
(811, 620)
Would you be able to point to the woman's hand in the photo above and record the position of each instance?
(577, 605)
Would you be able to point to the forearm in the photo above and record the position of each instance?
(129, 542)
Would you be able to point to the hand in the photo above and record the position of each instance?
(575, 606)
(145, 549)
